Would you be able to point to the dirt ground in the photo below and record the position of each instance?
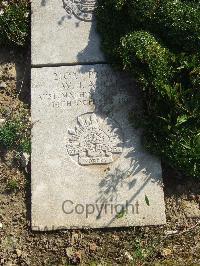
(176, 243)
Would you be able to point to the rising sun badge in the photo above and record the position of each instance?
(81, 9)
(94, 140)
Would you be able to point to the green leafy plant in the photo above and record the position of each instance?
(15, 134)
(26, 145)
(9, 134)
(14, 22)
(12, 185)
(141, 252)
(158, 43)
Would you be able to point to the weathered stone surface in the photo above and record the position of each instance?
(64, 32)
(88, 165)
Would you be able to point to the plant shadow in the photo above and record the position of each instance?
(115, 93)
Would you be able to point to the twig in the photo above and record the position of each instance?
(184, 231)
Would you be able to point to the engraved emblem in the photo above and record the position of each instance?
(94, 140)
(81, 9)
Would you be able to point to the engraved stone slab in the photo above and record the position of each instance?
(89, 168)
(64, 32)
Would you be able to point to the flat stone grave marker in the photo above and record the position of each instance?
(64, 32)
(88, 165)
(89, 168)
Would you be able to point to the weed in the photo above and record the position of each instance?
(12, 185)
(9, 134)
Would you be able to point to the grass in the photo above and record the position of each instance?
(15, 134)
(12, 185)
(9, 134)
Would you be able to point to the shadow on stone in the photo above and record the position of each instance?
(121, 175)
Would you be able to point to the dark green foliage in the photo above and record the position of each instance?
(26, 145)
(159, 43)
(14, 22)
(15, 135)
(9, 134)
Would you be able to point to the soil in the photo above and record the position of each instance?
(176, 243)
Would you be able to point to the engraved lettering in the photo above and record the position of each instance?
(69, 103)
